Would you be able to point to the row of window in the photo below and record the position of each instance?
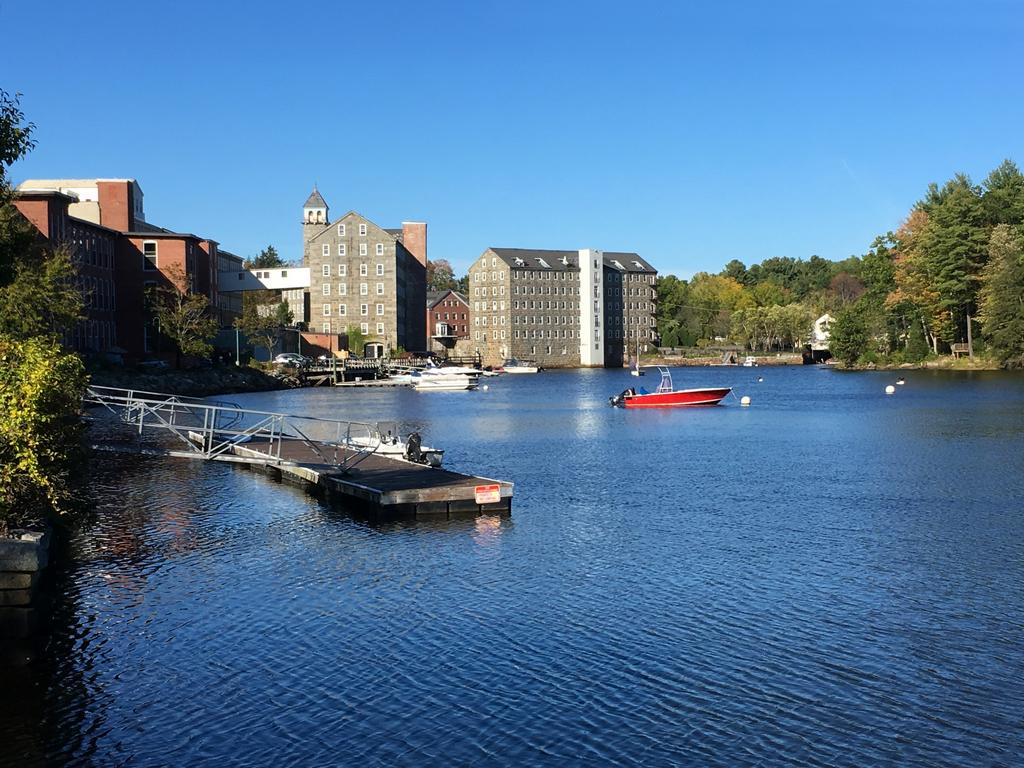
(363, 328)
(325, 249)
(342, 270)
(454, 316)
(341, 230)
(91, 335)
(364, 309)
(364, 289)
(531, 334)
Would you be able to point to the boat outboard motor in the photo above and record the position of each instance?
(620, 399)
(413, 450)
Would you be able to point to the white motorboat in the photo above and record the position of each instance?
(451, 383)
(519, 366)
(394, 446)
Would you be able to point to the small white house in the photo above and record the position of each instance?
(821, 334)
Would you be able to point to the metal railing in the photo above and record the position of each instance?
(210, 430)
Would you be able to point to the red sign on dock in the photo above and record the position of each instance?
(488, 494)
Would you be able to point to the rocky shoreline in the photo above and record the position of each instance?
(199, 382)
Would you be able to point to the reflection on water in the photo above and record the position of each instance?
(830, 577)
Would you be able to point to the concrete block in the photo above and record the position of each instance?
(27, 552)
(10, 597)
(11, 580)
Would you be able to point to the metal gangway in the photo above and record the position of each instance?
(212, 429)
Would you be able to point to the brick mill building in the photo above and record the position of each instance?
(561, 308)
(118, 254)
(365, 276)
(447, 320)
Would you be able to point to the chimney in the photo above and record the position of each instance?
(414, 238)
(117, 205)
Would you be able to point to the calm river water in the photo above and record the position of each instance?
(829, 577)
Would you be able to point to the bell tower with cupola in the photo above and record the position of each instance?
(314, 215)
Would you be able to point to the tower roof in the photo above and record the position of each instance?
(315, 200)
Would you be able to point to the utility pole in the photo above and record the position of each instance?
(970, 340)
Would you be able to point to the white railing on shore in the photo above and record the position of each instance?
(210, 429)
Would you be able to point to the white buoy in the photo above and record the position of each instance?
(890, 390)
(760, 379)
(900, 382)
(485, 387)
(745, 400)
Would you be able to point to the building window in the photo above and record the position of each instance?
(326, 270)
(363, 271)
(380, 329)
(380, 309)
(341, 249)
(341, 230)
(362, 249)
(380, 267)
(364, 328)
(364, 289)
(342, 310)
(149, 255)
(327, 289)
(327, 310)
(342, 289)
(342, 270)
(327, 327)
(362, 229)
(326, 249)
(380, 249)
(380, 289)
(364, 309)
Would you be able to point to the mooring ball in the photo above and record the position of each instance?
(485, 387)
(889, 390)
(760, 379)
(745, 400)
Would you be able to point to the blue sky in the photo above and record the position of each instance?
(692, 133)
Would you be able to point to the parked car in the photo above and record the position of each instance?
(292, 359)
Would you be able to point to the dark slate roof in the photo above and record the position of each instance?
(629, 262)
(315, 200)
(433, 297)
(531, 258)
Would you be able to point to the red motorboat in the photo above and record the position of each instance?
(665, 396)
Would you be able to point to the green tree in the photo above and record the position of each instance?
(41, 452)
(1003, 198)
(440, 276)
(356, 340)
(183, 317)
(1002, 295)
(260, 325)
(954, 245)
(43, 298)
(850, 334)
(266, 259)
(283, 314)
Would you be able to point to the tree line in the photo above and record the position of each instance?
(953, 270)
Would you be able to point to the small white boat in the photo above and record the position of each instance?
(519, 366)
(451, 383)
(394, 446)
(750, 361)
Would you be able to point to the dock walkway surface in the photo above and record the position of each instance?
(382, 485)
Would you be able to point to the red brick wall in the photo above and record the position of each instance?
(36, 211)
(414, 238)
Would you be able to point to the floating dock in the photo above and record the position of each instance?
(343, 466)
(379, 485)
